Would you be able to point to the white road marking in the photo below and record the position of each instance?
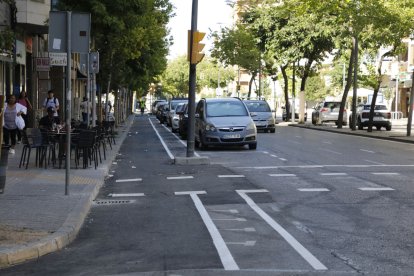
(110, 175)
(133, 167)
(178, 138)
(231, 176)
(325, 166)
(327, 142)
(313, 190)
(129, 180)
(114, 163)
(180, 177)
(232, 211)
(162, 141)
(282, 159)
(333, 174)
(385, 173)
(235, 219)
(375, 189)
(298, 136)
(127, 195)
(265, 152)
(247, 229)
(246, 243)
(225, 256)
(275, 156)
(281, 174)
(331, 151)
(315, 263)
(369, 151)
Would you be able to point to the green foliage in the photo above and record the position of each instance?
(316, 89)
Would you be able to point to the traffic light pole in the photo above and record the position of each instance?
(192, 86)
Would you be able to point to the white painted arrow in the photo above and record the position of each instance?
(246, 243)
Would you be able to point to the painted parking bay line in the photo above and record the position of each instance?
(129, 180)
(313, 190)
(282, 174)
(180, 177)
(376, 189)
(312, 260)
(224, 253)
(333, 174)
(231, 176)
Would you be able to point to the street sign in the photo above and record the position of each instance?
(58, 59)
(42, 64)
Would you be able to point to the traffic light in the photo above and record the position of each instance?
(196, 55)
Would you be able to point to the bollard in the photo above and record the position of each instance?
(3, 166)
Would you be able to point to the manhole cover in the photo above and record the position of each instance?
(107, 202)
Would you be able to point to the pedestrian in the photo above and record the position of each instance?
(51, 101)
(23, 100)
(86, 108)
(49, 122)
(12, 110)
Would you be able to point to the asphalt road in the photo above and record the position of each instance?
(304, 203)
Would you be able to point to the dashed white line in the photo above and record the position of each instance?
(385, 173)
(129, 180)
(333, 174)
(231, 176)
(331, 151)
(127, 195)
(312, 260)
(180, 177)
(282, 174)
(369, 151)
(375, 189)
(373, 162)
(275, 156)
(313, 190)
(282, 159)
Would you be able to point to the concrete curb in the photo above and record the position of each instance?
(355, 134)
(72, 225)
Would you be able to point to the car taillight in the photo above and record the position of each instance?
(388, 114)
(365, 115)
(324, 109)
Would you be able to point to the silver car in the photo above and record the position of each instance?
(328, 112)
(172, 105)
(261, 114)
(222, 122)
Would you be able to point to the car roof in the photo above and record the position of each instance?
(254, 101)
(221, 99)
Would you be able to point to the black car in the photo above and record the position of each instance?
(183, 122)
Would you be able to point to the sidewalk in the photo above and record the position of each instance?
(397, 133)
(36, 217)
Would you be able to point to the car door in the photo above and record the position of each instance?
(199, 117)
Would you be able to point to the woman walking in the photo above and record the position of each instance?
(23, 100)
(12, 110)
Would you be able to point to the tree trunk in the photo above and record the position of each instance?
(250, 86)
(286, 89)
(346, 90)
(305, 76)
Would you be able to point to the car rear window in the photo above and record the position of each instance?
(225, 109)
(258, 106)
(377, 107)
(332, 105)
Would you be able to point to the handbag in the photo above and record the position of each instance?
(20, 122)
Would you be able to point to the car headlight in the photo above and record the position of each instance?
(271, 121)
(210, 127)
(251, 126)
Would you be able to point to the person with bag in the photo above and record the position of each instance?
(12, 118)
(51, 101)
(23, 100)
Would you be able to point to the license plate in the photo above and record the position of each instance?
(231, 136)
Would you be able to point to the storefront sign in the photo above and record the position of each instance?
(42, 64)
(58, 59)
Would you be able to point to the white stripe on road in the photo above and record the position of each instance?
(315, 263)
(275, 156)
(333, 174)
(369, 151)
(178, 138)
(331, 151)
(162, 141)
(225, 256)
(230, 176)
(313, 190)
(281, 174)
(385, 173)
(282, 159)
(129, 180)
(324, 166)
(375, 189)
(127, 195)
(373, 162)
(180, 177)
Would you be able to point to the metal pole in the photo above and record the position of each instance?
(354, 96)
(192, 86)
(397, 80)
(93, 100)
(68, 100)
(410, 111)
(292, 108)
(88, 93)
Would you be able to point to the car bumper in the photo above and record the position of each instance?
(383, 123)
(219, 139)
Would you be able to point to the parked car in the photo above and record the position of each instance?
(155, 105)
(223, 122)
(328, 111)
(176, 116)
(173, 103)
(382, 116)
(183, 122)
(261, 114)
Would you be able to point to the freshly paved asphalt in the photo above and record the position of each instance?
(34, 204)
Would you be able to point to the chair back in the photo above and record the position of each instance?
(32, 137)
(87, 138)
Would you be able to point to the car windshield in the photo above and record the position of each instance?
(175, 103)
(377, 107)
(332, 105)
(258, 106)
(225, 109)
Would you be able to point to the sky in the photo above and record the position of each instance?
(211, 14)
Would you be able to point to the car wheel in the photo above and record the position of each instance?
(359, 124)
(252, 146)
(273, 130)
(378, 128)
(201, 145)
(388, 128)
(313, 120)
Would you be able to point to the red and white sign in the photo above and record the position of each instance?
(42, 64)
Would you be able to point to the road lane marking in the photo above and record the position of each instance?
(224, 253)
(129, 180)
(234, 219)
(247, 229)
(232, 211)
(313, 190)
(281, 174)
(331, 151)
(324, 166)
(375, 189)
(369, 151)
(127, 195)
(315, 263)
(373, 162)
(385, 173)
(180, 177)
(275, 156)
(333, 174)
(133, 167)
(178, 138)
(231, 176)
(162, 141)
(282, 159)
(246, 243)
